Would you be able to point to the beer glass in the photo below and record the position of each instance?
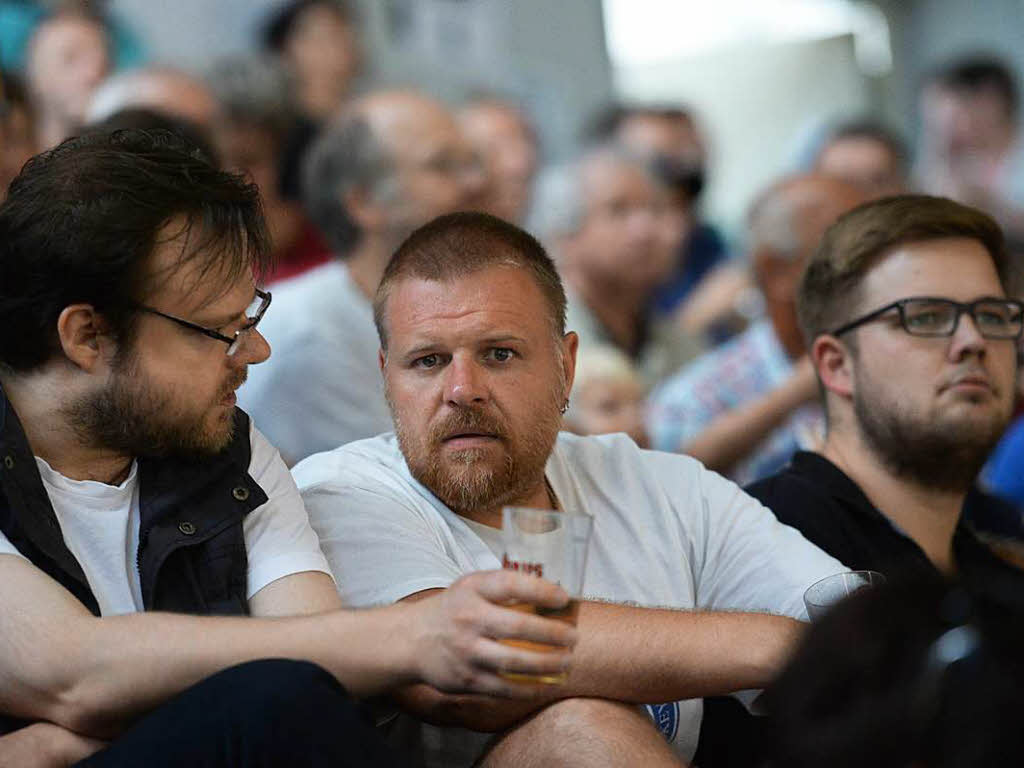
(552, 545)
(823, 594)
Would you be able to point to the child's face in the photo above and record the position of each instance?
(611, 405)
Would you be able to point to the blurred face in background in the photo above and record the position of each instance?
(323, 52)
(507, 150)
(252, 150)
(608, 404)
(962, 124)
(627, 234)
(433, 169)
(67, 58)
(865, 162)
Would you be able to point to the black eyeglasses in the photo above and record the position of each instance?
(930, 316)
(253, 313)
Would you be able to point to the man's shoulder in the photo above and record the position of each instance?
(803, 489)
(614, 462)
(375, 463)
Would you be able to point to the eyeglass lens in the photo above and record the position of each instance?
(994, 319)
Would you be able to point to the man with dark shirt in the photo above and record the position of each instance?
(913, 340)
(912, 337)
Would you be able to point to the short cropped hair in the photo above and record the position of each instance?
(81, 221)
(459, 244)
(969, 74)
(829, 289)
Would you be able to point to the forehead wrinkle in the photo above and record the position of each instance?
(420, 309)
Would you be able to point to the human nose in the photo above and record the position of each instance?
(967, 339)
(463, 383)
(251, 348)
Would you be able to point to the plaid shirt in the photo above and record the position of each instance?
(748, 367)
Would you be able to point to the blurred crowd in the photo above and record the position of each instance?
(688, 342)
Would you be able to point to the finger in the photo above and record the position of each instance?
(493, 656)
(496, 686)
(500, 622)
(506, 586)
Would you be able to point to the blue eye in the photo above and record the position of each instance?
(502, 354)
(427, 361)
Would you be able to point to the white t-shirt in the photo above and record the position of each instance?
(667, 533)
(100, 525)
(321, 387)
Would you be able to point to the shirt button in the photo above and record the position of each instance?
(187, 528)
(241, 493)
(9, 461)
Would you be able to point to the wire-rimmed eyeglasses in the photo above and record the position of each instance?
(253, 313)
(933, 316)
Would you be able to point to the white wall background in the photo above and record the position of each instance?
(756, 102)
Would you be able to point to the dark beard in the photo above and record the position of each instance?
(930, 455)
(134, 418)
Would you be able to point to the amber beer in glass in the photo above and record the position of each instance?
(552, 545)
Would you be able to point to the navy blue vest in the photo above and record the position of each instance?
(191, 556)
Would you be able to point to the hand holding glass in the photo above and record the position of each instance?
(552, 545)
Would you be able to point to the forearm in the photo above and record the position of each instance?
(635, 655)
(644, 655)
(110, 670)
(736, 433)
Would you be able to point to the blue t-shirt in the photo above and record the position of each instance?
(1004, 473)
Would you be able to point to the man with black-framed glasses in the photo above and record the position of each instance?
(163, 598)
(913, 337)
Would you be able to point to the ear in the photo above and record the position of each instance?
(777, 276)
(570, 345)
(382, 360)
(364, 208)
(834, 364)
(84, 336)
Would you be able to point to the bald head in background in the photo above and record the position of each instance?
(507, 147)
(388, 163)
(785, 225)
(161, 89)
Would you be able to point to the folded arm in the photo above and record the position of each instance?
(635, 655)
(93, 676)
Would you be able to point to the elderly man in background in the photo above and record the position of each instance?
(67, 58)
(607, 218)
(161, 89)
(744, 408)
(506, 144)
(865, 153)
(478, 368)
(389, 162)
